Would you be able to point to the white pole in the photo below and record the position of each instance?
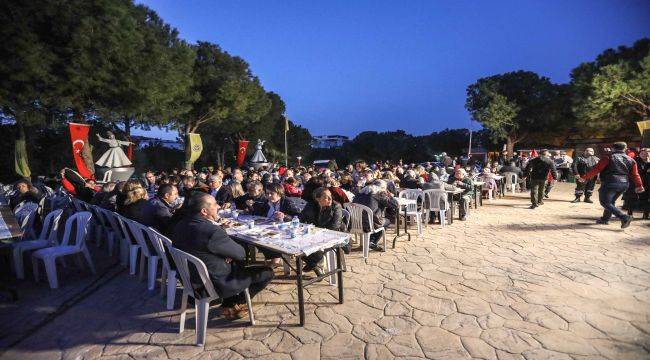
(469, 149)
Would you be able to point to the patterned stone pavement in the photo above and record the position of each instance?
(509, 283)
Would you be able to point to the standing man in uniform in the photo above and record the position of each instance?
(581, 167)
(616, 168)
(538, 170)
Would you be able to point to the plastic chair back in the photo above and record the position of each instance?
(412, 194)
(436, 200)
(137, 230)
(359, 214)
(155, 238)
(511, 179)
(76, 228)
(51, 226)
(183, 262)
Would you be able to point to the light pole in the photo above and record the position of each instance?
(299, 158)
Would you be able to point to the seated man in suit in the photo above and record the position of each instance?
(159, 211)
(220, 192)
(198, 234)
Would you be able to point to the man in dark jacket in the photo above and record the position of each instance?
(220, 192)
(538, 170)
(462, 181)
(615, 171)
(199, 235)
(581, 166)
(159, 211)
(254, 195)
(379, 202)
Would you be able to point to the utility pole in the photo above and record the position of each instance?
(286, 146)
(469, 149)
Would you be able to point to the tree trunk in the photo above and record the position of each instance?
(20, 153)
(188, 150)
(127, 127)
(78, 116)
(511, 140)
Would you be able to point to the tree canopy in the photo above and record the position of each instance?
(613, 91)
(515, 105)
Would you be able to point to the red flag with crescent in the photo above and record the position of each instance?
(241, 152)
(81, 149)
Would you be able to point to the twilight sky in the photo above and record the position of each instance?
(343, 67)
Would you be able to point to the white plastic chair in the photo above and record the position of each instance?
(103, 227)
(169, 275)
(412, 208)
(119, 230)
(201, 303)
(512, 181)
(437, 200)
(358, 213)
(49, 255)
(138, 231)
(47, 238)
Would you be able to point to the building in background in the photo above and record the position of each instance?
(328, 141)
(144, 141)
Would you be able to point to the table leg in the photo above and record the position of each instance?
(452, 207)
(301, 299)
(339, 274)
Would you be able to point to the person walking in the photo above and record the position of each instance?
(582, 166)
(537, 170)
(616, 171)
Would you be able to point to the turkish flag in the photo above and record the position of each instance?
(534, 154)
(241, 152)
(81, 149)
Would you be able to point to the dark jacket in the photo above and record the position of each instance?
(288, 207)
(512, 169)
(30, 196)
(378, 203)
(620, 165)
(539, 167)
(240, 202)
(465, 183)
(158, 214)
(134, 211)
(582, 164)
(210, 243)
(222, 195)
(327, 218)
(410, 184)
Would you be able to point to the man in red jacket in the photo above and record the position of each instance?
(616, 170)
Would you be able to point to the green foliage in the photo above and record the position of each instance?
(613, 91)
(517, 104)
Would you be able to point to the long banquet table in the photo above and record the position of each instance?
(293, 243)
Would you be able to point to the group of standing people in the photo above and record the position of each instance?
(619, 172)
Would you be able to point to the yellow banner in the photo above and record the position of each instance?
(643, 126)
(196, 146)
(20, 159)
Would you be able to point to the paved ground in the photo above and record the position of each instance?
(509, 283)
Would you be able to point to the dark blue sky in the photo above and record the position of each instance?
(343, 67)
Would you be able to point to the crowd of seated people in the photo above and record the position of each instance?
(183, 205)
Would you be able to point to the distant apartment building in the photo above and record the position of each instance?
(144, 141)
(328, 141)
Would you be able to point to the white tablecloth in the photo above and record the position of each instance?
(271, 236)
